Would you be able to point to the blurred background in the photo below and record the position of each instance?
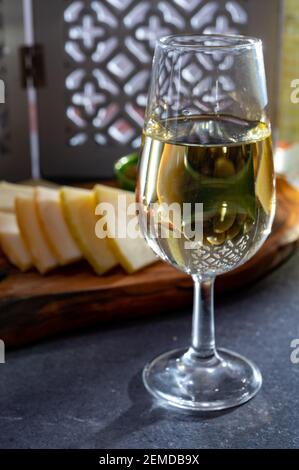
(77, 73)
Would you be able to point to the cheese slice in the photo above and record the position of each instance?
(43, 257)
(79, 210)
(132, 253)
(8, 193)
(54, 226)
(12, 242)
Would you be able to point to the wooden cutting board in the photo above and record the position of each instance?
(34, 306)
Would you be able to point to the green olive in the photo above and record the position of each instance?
(241, 218)
(233, 232)
(224, 168)
(248, 224)
(216, 239)
(223, 222)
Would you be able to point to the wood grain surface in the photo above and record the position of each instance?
(34, 306)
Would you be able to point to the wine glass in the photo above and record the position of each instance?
(207, 145)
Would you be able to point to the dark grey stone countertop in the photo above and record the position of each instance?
(85, 391)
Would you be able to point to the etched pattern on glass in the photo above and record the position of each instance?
(224, 257)
(109, 46)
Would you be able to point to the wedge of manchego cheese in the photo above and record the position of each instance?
(8, 193)
(43, 257)
(79, 210)
(132, 253)
(54, 226)
(12, 242)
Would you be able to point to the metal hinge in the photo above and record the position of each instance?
(32, 66)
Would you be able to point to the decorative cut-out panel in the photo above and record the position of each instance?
(98, 56)
(109, 46)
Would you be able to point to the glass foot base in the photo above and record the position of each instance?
(183, 380)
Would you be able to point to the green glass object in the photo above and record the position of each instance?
(125, 170)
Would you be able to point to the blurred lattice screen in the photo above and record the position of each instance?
(15, 161)
(97, 56)
(288, 111)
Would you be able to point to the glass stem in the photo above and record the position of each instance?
(203, 329)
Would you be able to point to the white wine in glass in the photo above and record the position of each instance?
(207, 141)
